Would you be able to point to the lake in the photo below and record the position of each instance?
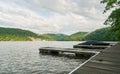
(23, 58)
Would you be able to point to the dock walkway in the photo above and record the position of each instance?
(106, 62)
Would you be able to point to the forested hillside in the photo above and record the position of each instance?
(14, 34)
(104, 34)
(62, 37)
(76, 36)
(57, 37)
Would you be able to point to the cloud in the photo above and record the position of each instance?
(82, 7)
(61, 6)
(52, 16)
(24, 18)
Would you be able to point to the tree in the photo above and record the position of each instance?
(114, 18)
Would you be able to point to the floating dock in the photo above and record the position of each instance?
(105, 62)
(93, 45)
(77, 52)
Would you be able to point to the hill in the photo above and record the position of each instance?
(104, 34)
(62, 37)
(54, 37)
(14, 34)
(76, 36)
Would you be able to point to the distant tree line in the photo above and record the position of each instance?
(13, 34)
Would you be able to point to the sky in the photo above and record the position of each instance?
(53, 16)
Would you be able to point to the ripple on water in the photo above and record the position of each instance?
(24, 58)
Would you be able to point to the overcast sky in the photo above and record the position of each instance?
(52, 16)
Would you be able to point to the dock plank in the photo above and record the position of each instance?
(107, 62)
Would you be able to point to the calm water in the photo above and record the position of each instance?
(24, 58)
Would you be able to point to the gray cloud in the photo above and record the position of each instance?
(56, 16)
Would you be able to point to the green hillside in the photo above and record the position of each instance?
(76, 36)
(54, 37)
(62, 37)
(46, 37)
(104, 34)
(14, 34)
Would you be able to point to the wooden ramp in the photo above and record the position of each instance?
(106, 62)
(77, 52)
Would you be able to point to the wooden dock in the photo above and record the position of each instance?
(91, 46)
(94, 45)
(105, 62)
(77, 52)
(102, 59)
